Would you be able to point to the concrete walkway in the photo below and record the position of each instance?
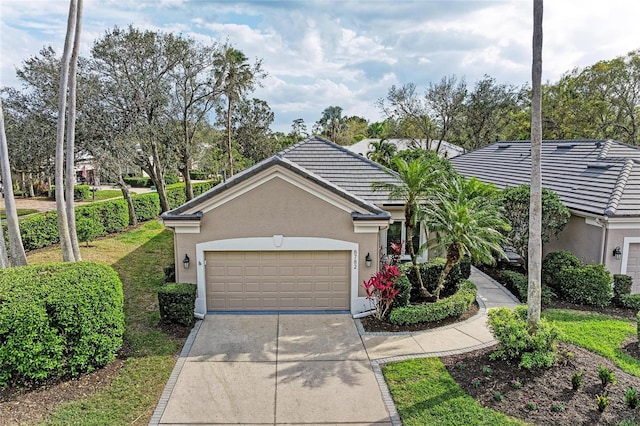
(305, 369)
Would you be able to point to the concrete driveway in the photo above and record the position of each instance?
(274, 369)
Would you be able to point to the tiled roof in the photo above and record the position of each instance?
(322, 162)
(447, 150)
(600, 177)
(345, 169)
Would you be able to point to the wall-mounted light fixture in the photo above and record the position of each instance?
(367, 260)
(617, 253)
(185, 261)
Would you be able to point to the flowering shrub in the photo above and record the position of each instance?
(516, 383)
(557, 407)
(381, 291)
(531, 404)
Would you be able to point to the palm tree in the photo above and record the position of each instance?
(416, 181)
(234, 77)
(381, 152)
(466, 220)
(535, 207)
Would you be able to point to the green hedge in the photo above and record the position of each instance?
(177, 302)
(138, 181)
(58, 319)
(621, 287)
(403, 297)
(197, 174)
(430, 272)
(171, 178)
(630, 301)
(80, 192)
(638, 321)
(589, 285)
(176, 192)
(146, 206)
(518, 284)
(452, 306)
(553, 263)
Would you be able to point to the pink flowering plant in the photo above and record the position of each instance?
(380, 290)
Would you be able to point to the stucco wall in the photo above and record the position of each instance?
(277, 207)
(578, 237)
(616, 239)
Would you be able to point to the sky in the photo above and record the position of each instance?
(320, 53)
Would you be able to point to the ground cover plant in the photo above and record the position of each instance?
(127, 390)
(571, 392)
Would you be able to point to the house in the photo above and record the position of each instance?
(598, 180)
(447, 150)
(298, 231)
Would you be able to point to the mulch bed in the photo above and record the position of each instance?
(371, 324)
(547, 386)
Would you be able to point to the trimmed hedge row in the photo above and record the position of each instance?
(630, 301)
(80, 192)
(58, 319)
(101, 218)
(589, 285)
(518, 284)
(451, 306)
(138, 181)
(177, 302)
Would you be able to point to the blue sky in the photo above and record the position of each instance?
(348, 53)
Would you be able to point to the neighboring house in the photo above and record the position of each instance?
(447, 150)
(301, 230)
(598, 180)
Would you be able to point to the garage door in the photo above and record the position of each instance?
(633, 266)
(273, 280)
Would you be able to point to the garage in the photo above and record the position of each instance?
(277, 280)
(633, 266)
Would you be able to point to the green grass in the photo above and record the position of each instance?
(106, 194)
(598, 333)
(21, 212)
(139, 257)
(425, 394)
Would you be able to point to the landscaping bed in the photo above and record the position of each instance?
(371, 324)
(546, 387)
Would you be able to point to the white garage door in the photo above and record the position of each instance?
(274, 280)
(633, 266)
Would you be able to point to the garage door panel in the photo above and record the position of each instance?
(633, 266)
(278, 280)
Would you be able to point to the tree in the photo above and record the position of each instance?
(516, 202)
(535, 209)
(409, 113)
(251, 123)
(18, 256)
(332, 123)
(298, 129)
(71, 134)
(381, 152)
(132, 68)
(63, 224)
(466, 220)
(194, 95)
(416, 181)
(235, 77)
(445, 100)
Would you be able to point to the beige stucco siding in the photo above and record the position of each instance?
(616, 239)
(581, 239)
(277, 207)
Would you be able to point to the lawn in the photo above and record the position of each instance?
(139, 257)
(21, 212)
(425, 393)
(106, 194)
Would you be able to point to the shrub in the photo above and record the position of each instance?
(553, 263)
(430, 272)
(88, 225)
(602, 402)
(39, 230)
(171, 178)
(197, 174)
(606, 376)
(80, 192)
(518, 284)
(589, 285)
(146, 206)
(112, 215)
(404, 292)
(631, 397)
(516, 343)
(630, 301)
(170, 273)
(465, 267)
(381, 290)
(638, 322)
(177, 302)
(58, 319)
(576, 380)
(138, 181)
(452, 306)
(621, 287)
(202, 187)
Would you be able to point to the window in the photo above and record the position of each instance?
(396, 233)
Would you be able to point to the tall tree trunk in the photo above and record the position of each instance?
(4, 258)
(535, 205)
(414, 258)
(188, 187)
(157, 177)
(63, 224)
(30, 185)
(229, 146)
(18, 256)
(71, 136)
(133, 221)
